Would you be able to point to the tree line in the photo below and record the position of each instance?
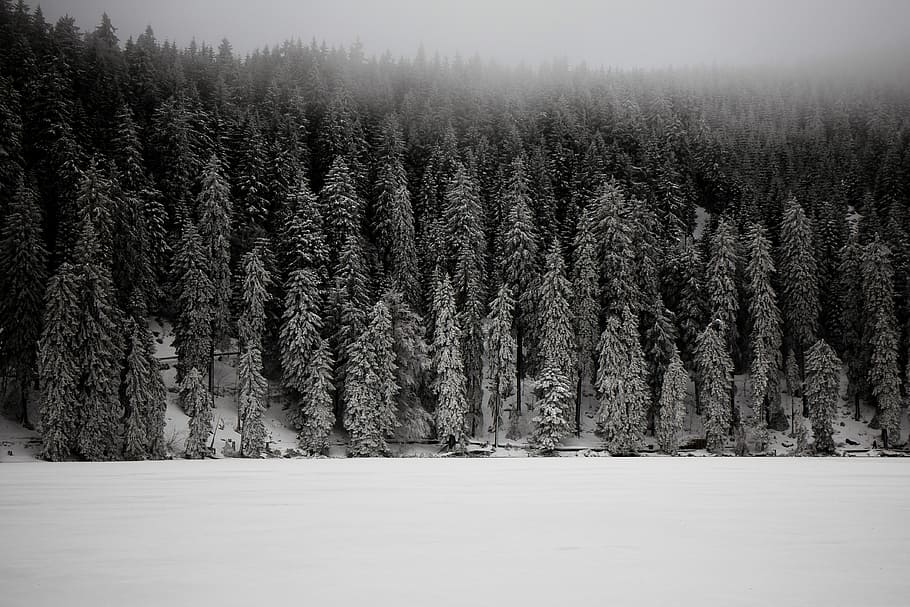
(392, 239)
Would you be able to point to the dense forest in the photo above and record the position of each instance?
(397, 241)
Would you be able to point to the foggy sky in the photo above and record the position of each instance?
(623, 33)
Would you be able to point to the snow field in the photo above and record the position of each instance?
(641, 531)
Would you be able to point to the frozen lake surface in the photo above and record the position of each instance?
(563, 531)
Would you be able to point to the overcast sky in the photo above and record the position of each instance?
(626, 33)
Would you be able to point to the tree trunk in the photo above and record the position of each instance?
(578, 407)
(497, 400)
(856, 411)
(519, 371)
(23, 405)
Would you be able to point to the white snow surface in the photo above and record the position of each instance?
(558, 531)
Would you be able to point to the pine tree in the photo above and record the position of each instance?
(251, 325)
(854, 347)
(500, 348)
(672, 408)
(58, 366)
(585, 308)
(715, 371)
(520, 256)
(883, 336)
(621, 386)
(411, 363)
(765, 338)
(823, 370)
(798, 275)
(302, 244)
(196, 402)
(449, 380)
(690, 313)
(194, 295)
(557, 340)
(98, 350)
(720, 284)
(316, 416)
(254, 296)
(350, 306)
(251, 392)
(466, 245)
(370, 387)
(554, 391)
(300, 329)
(215, 211)
(394, 215)
(341, 209)
(22, 278)
(615, 231)
(144, 395)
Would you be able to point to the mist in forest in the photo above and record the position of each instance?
(621, 33)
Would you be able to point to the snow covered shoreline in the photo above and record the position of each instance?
(643, 531)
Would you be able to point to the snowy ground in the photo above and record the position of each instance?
(643, 531)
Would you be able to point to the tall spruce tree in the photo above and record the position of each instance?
(823, 370)
(394, 223)
(715, 374)
(370, 387)
(799, 278)
(411, 364)
(194, 297)
(143, 392)
(672, 405)
(448, 368)
(585, 308)
(554, 391)
(58, 366)
(341, 208)
(883, 336)
(854, 347)
(557, 340)
(720, 283)
(302, 243)
(251, 326)
(765, 337)
(316, 416)
(621, 387)
(306, 362)
(23, 274)
(215, 209)
(500, 348)
(197, 404)
(521, 250)
(98, 347)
